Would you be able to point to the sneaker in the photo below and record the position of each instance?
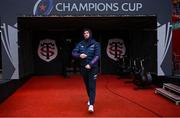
(88, 103)
(91, 108)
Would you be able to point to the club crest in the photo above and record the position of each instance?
(47, 50)
(115, 49)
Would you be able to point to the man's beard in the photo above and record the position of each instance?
(86, 37)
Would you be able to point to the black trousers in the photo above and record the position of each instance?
(89, 77)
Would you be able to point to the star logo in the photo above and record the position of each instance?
(42, 7)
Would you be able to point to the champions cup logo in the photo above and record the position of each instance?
(43, 7)
(47, 50)
(115, 49)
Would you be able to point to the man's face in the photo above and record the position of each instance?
(86, 34)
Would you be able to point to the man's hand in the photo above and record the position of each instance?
(83, 56)
(88, 66)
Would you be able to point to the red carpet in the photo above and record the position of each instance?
(54, 96)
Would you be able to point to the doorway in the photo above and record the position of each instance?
(138, 33)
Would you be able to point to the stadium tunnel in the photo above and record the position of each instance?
(139, 34)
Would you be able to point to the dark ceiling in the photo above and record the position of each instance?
(76, 23)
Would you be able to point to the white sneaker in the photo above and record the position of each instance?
(88, 103)
(91, 108)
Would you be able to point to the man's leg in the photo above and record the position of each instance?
(92, 87)
(86, 81)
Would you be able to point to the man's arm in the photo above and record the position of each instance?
(75, 52)
(97, 55)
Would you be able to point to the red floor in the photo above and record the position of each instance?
(54, 96)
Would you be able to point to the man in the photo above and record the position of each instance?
(88, 50)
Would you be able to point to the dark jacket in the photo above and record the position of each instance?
(89, 47)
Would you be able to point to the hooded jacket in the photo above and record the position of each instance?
(89, 47)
